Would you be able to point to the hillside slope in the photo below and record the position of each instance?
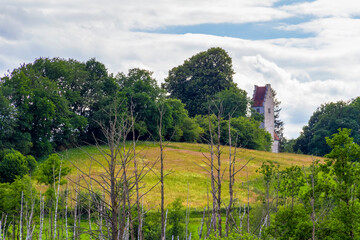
(184, 164)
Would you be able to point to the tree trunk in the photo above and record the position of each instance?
(229, 208)
(219, 175)
(248, 205)
(213, 188)
(162, 174)
(139, 213)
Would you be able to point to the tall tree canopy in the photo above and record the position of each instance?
(199, 78)
(42, 115)
(324, 122)
(52, 103)
(279, 124)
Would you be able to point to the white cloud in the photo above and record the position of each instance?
(304, 72)
(326, 8)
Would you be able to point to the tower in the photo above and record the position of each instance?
(264, 104)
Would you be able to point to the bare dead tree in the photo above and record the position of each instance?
(241, 217)
(231, 179)
(139, 212)
(218, 167)
(21, 214)
(116, 181)
(166, 214)
(200, 229)
(248, 203)
(161, 111)
(75, 215)
(187, 216)
(312, 200)
(41, 216)
(66, 212)
(3, 226)
(214, 166)
(113, 181)
(312, 196)
(212, 176)
(57, 195)
(29, 214)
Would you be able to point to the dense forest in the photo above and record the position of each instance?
(55, 104)
(52, 105)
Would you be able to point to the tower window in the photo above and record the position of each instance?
(269, 110)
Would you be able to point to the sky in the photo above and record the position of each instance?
(308, 50)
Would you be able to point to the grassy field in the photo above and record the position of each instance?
(183, 163)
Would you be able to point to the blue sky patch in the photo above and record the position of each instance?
(250, 31)
(281, 3)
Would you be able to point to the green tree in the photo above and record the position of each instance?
(291, 223)
(178, 126)
(14, 165)
(342, 164)
(139, 89)
(43, 117)
(7, 119)
(176, 220)
(199, 78)
(324, 122)
(268, 169)
(10, 197)
(292, 179)
(86, 86)
(234, 102)
(49, 170)
(245, 130)
(279, 124)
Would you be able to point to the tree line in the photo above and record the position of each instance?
(55, 104)
(325, 121)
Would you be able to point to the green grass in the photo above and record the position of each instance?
(185, 176)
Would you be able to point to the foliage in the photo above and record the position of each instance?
(176, 220)
(342, 164)
(7, 119)
(10, 195)
(13, 164)
(292, 180)
(43, 116)
(324, 122)
(291, 223)
(288, 146)
(279, 124)
(49, 170)
(138, 89)
(152, 226)
(235, 236)
(268, 170)
(88, 201)
(199, 78)
(245, 130)
(233, 101)
(178, 126)
(345, 152)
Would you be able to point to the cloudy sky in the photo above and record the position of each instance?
(308, 51)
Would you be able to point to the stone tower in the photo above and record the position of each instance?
(264, 104)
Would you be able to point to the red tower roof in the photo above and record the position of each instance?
(259, 96)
